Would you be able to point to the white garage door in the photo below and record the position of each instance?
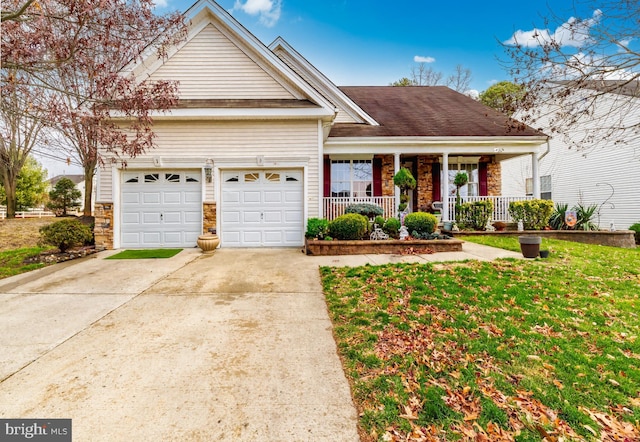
(161, 208)
(262, 208)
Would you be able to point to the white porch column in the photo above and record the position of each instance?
(396, 169)
(535, 175)
(445, 187)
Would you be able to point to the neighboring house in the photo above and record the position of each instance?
(604, 175)
(261, 141)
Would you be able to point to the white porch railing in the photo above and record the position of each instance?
(500, 205)
(333, 207)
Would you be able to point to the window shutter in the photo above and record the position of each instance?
(435, 176)
(377, 177)
(327, 177)
(483, 185)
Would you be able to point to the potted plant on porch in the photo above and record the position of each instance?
(405, 181)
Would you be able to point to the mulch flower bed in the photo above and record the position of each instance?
(55, 255)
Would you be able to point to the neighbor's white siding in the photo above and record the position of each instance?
(281, 143)
(210, 66)
(607, 175)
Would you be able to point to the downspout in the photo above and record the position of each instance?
(544, 154)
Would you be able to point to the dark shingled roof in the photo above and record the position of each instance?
(426, 111)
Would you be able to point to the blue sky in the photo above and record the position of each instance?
(358, 42)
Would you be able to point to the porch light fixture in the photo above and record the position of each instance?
(208, 168)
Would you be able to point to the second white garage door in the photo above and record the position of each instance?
(262, 208)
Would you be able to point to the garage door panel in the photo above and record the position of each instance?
(252, 237)
(292, 216)
(151, 198)
(131, 198)
(251, 217)
(192, 198)
(231, 217)
(131, 218)
(151, 217)
(151, 237)
(273, 237)
(272, 197)
(192, 217)
(272, 217)
(293, 197)
(231, 196)
(249, 197)
(172, 217)
(172, 198)
(172, 238)
(231, 237)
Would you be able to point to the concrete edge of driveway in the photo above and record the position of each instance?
(10, 283)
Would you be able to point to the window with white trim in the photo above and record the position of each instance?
(351, 178)
(545, 187)
(471, 169)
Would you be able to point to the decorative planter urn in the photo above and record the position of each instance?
(530, 246)
(208, 242)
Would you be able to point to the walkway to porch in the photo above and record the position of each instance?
(334, 207)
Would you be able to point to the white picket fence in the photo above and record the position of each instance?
(30, 213)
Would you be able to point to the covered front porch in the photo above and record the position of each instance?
(367, 178)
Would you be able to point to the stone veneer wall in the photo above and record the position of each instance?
(388, 189)
(494, 178)
(208, 216)
(424, 187)
(103, 229)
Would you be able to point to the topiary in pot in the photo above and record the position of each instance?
(405, 181)
(349, 226)
(421, 222)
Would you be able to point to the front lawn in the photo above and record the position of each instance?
(510, 350)
(12, 261)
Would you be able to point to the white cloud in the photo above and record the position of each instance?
(421, 59)
(574, 33)
(268, 10)
(160, 3)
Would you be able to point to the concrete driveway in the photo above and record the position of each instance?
(236, 345)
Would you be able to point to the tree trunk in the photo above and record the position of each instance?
(9, 180)
(89, 172)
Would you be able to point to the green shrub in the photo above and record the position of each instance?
(365, 209)
(65, 234)
(421, 222)
(534, 214)
(584, 217)
(317, 228)
(636, 229)
(349, 226)
(391, 227)
(475, 215)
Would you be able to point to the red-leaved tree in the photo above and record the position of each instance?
(74, 51)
